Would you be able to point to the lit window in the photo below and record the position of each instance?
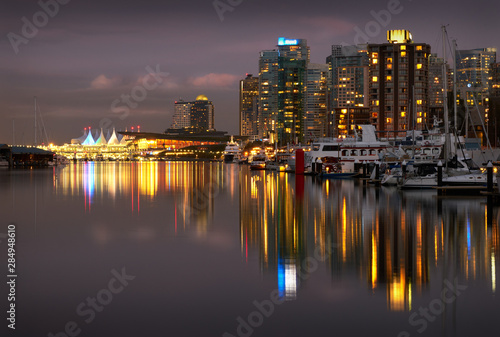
(389, 78)
(389, 120)
(419, 101)
(403, 47)
(419, 66)
(403, 54)
(403, 114)
(375, 61)
(375, 79)
(419, 47)
(419, 120)
(389, 60)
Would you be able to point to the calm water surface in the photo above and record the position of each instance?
(204, 245)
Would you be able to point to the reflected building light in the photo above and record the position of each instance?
(436, 245)
(344, 230)
(493, 272)
(468, 238)
(374, 261)
(397, 292)
(290, 280)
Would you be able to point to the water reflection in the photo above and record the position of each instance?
(193, 187)
(398, 243)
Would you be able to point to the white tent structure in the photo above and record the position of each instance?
(113, 140)
(89, 140)
(81, 139)
(101, 140)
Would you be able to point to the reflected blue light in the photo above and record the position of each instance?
(88, 180)
(281, 278)
(468, 237)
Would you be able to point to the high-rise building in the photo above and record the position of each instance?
(295, 49)
(291, 90)
(202, 114)
(348, 87)
(315, 109)
(182, 115)
(281, 90)
(268, 92)
(249, 96)
(436, 85)
(474, 72)
(493, 117)
(473, 85)
(197, 115)
(398, 83)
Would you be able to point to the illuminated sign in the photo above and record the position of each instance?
(282, 41)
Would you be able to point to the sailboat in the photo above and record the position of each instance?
(460, 170)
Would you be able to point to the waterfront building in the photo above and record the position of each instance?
(436, 85)
(348, 87)
(398, 83)
(291, 90)
(182, 114)
(473, 84)
(494, 105)
(249, 97)
(197, 114)
(268, 92)
(315, 108)
(281, 90)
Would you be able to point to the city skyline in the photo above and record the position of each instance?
(83, 57)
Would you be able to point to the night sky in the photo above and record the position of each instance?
(82, 59)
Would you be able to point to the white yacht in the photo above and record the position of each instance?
(258, 161)
(349, 150)
(231, 152)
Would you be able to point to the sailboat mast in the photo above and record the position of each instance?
(445, 102)
(35, 122)
(455, 85)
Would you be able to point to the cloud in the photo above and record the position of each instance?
(214, 80)
(103, 82)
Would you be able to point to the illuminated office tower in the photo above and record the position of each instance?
(197, 115)
(348, 88)
(473, 84)
(249, 96)
(315, 109)
(295, 49)
(291, 92)
(436, 86)
(268, 92)
(202, 114)
(474, 74)
(494, 105)
(182, 115)
(398, 83)
(281, 90)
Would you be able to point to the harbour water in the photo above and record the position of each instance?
(213, 249)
